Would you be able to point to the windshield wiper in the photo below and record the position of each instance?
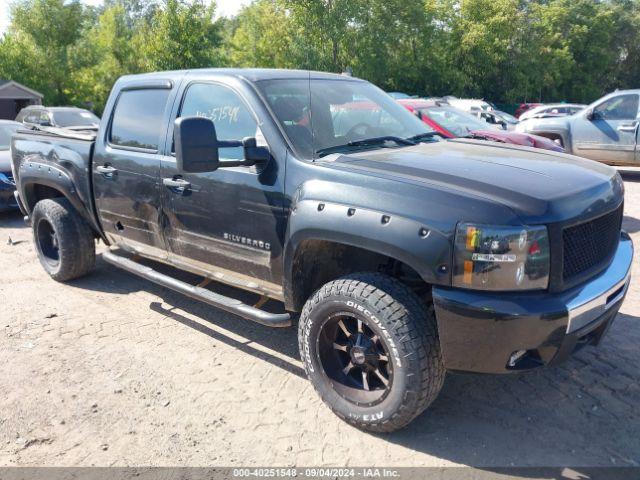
(424, 136)
(381, 140)
(366, 142)
(82, 127)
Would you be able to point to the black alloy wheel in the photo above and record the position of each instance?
(355, 358)
(48, 243)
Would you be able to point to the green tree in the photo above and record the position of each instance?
(45, 31)
(261, 36)
(108, 53)
(179, 36)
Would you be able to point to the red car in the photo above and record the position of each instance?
(526, 106)
(451, 123)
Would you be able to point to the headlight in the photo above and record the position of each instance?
(490, 257)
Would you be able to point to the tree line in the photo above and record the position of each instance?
(502, 50)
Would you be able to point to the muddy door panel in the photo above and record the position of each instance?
(126, 169)
(230, 218)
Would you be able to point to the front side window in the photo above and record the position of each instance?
(138, 118)
(33, 117)
(44, 119)
(621, 107)
(232, 118)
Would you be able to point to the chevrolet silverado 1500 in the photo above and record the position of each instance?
(402, 256)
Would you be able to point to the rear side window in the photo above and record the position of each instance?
(138, 118)
(33, 117)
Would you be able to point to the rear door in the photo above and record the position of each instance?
(610, 136)
(229, 222)
(126, 166)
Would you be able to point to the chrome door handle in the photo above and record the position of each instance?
(176, 183)
(106, 170)
(628, 128)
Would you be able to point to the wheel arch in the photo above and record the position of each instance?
(47, 181)
(326, 241)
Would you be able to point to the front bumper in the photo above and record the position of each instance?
(481, 331)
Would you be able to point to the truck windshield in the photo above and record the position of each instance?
(75, 118)
(5, 135)
(328, 115)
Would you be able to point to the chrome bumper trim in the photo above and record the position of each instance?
(606, 290)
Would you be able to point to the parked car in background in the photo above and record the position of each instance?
(606, 131)
(553, 110)
(399, 95)
(72, 118)
(524, 107)
(7, 185)
(451, 122)
(498, 118)
(471, 105)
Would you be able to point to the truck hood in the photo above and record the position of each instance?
(539, 186)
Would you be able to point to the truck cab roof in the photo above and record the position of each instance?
(250, 74)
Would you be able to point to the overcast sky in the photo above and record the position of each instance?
(225, 8)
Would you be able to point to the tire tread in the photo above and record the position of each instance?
(76, 241)
(410, 321)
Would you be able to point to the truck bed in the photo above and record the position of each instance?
(58, 158)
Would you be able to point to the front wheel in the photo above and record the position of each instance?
(370, 348)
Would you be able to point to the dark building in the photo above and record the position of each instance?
(14, 97)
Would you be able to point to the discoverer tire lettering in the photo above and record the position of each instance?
(401, 322)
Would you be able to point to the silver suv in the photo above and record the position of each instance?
(606, 131)
(72, 118)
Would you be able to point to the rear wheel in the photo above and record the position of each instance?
(370, 347)
(64, 241)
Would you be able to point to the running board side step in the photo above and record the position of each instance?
(198, 293)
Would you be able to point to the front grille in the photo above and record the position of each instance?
(591, 244)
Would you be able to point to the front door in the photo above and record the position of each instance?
(126, 169)
(228, 223)
(610, 135)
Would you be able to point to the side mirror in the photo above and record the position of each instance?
(254, 154)
(592, 115)
(196, 145)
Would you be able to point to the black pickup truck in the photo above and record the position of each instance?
(401, 255)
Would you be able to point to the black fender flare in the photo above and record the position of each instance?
(409, 241)
(33, 173)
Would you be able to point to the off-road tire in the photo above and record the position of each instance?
(76, 248)
(409, 328)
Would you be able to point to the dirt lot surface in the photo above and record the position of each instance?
(113, 370)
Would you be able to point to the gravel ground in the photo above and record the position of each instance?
(113, 370)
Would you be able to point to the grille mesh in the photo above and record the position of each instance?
(590, 244)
